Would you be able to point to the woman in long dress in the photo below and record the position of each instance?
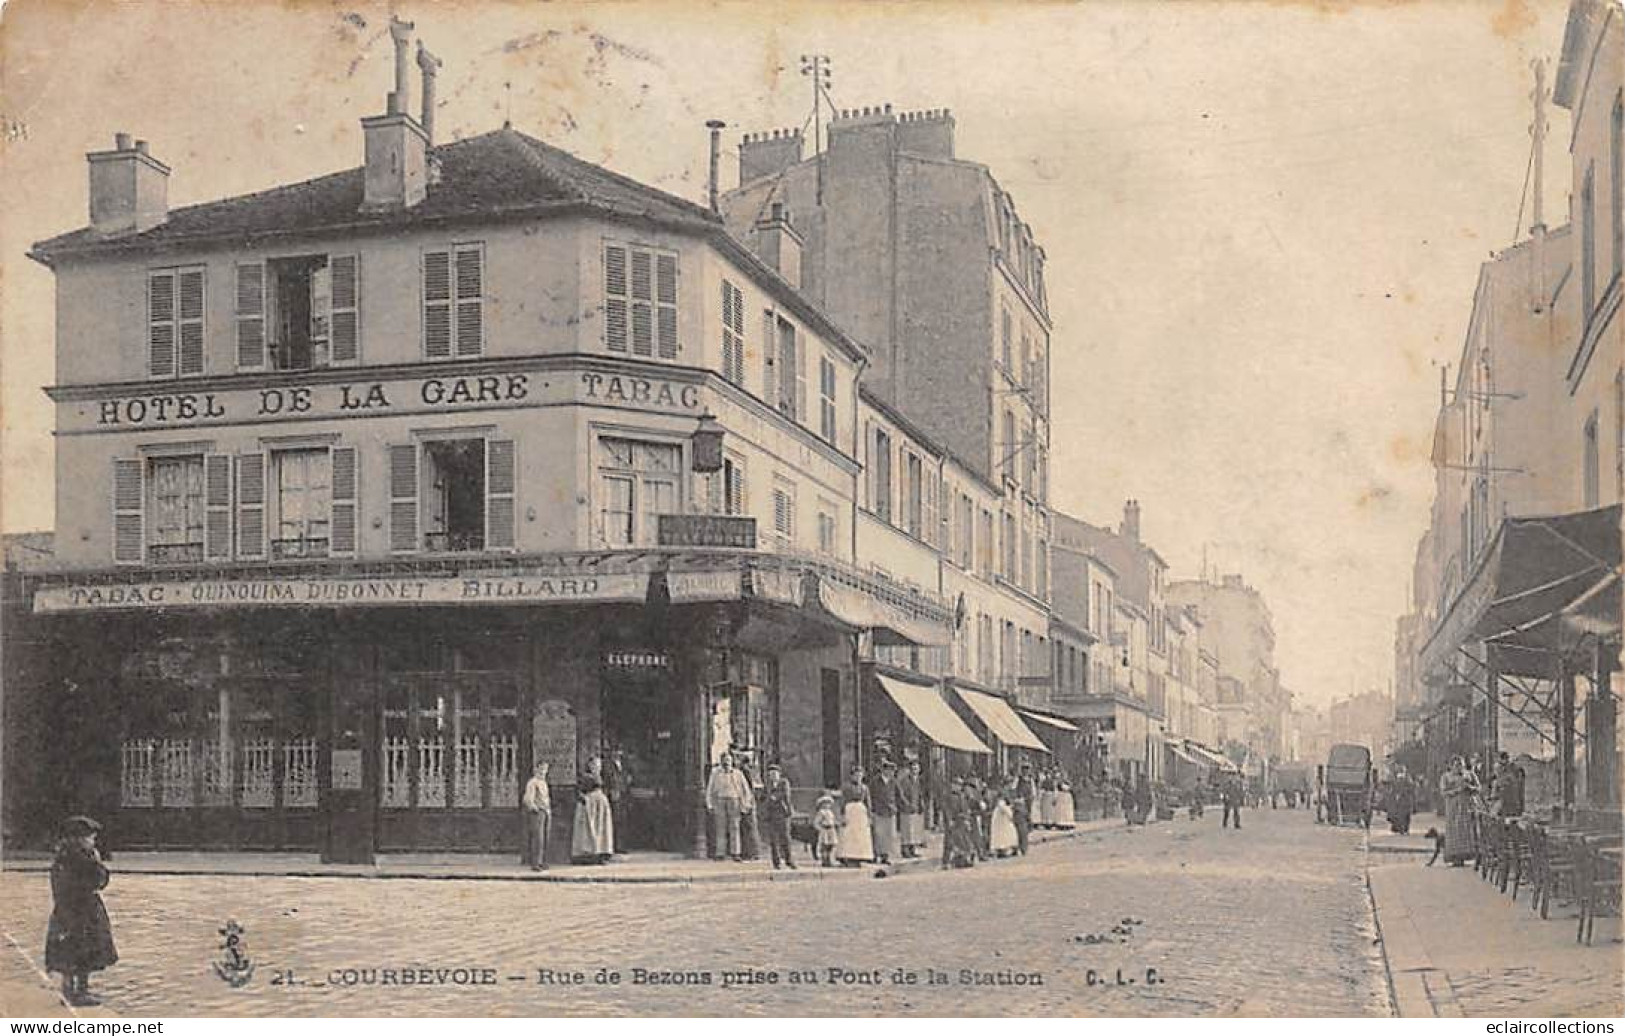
(857, 843)
(1065, 808)
(1002, 837)
(1459, 846)
(1043, 812)
(592, 840)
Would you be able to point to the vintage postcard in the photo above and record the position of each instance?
(812, 509)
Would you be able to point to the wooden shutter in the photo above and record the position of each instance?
(190, 311)
(615, 316)
(666, 305)
(342, 521)
(642, 303)
(346, 308)
(770, 352)
(161, 325)
(403, 499)
(217, 506)
(499, 494)
(128, 496)
(250, 316)
(437, 304)
(932, 533)
(733, 334)
(251, 505)
(470, 285)
(798, 361)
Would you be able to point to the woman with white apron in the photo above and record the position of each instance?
(857, 844)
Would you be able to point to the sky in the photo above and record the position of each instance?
(1263, 220)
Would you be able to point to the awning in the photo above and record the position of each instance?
(1001, 720)
(1212, 757)
(1532, 571)
(925, 709)
(1179, 751)
(1059, 724)
(861, 609)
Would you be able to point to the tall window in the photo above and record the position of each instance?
(175, 308)
(1011, 545)
(826, 399)
(1041, 568)
(792, 379)
(727, 487)
(733, 333)
(1005, 334)
(458, 493)
(913, 488)
(881, 461)
(640, 301)
(298, 312)
(454, 301)
(784, 511)
(302, 481)
(985, 545)
(1588, 245)
(1592, 462)
(637, 482)
(967, 534)
(828, 530)
(176, 509)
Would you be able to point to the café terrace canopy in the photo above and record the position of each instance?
(1534, 571)
(1001, 720)
(925, 709)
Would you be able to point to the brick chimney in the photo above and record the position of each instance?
(768, 154)
(129, 189)
(928, 133)
(778, 244)
(397, 147)
(1131, 520)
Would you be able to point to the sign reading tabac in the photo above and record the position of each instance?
(359, 591)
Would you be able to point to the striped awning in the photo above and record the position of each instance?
(1001, 720)
(925, 709)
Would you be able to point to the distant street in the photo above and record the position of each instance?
(1271, 920)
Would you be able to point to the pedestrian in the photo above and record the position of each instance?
(1400, 802)
(79, 936)
(857, 839)
(1457, 788)
(618, 789)
(910, 810)
(537, 803)
(883, 811)
(750, 832)
(1232, 796)
(592, 837)
(981, 808)
(1004, 834)
(776, 810)
(1510, 787)
(1021, 806)
(828, 827)
(1320, 794)
(1066, 808)
(958, 842)
(725, 794)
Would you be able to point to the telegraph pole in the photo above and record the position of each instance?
(816, 68)
(1537, 226)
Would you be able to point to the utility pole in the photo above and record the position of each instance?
(1537, 226)
(816, 68)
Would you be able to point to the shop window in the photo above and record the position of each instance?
(637, 482)
(450, 743)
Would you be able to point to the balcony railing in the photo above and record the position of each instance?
(299, 548)
(453, 542)
(174, 553)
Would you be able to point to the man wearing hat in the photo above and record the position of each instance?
(79, 937)
(776, 811)
(883, 811)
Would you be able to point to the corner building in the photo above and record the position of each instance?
(374, 489)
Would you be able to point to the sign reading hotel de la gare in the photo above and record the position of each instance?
(176, 407)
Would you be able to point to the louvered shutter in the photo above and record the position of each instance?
(928, 508)
(190, 306)
(403, 499)
(128, 495)
(251, 505)
(346, 308)
(342, 523)
(734, 472)
(642, 303)
(733, 334)
(470, 284)
(499, 494)
(798, 360)
(615, 315)
(217, 506)
(250, 316)
(770, 351)
(437, 305)
(161, 325)
(666, 305)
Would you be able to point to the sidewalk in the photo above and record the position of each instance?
(1457, 947)
(637, 868)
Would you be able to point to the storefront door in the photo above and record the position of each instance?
(643, 718)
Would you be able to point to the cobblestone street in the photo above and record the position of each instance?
(1271, 920)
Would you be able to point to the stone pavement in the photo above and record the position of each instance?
(1457, 947)
(1176, 919)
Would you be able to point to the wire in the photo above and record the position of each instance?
(1523, 196)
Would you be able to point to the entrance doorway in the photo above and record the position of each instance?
(643, 718)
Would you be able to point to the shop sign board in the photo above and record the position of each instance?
(707, 530)
(553, 740)
(545, 587)
(347, 769)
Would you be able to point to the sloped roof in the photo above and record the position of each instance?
(495, 173)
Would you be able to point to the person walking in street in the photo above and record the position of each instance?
(79, 936)
(857, 843)
(1066, 813)
(1320, 794)
(981, 808)
(725, 794)
(1003, 829)
(1457, 787)
(1231, 796)
(592, 837)
(828, 826)
(1400, 802)
(618, 789)
(883, 807)
(958, 839)
(776, 810)
(910, 810)
(537, 803)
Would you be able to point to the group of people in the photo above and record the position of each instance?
(600, 798)
(740, 821)
(987, 819)
(1465, 790)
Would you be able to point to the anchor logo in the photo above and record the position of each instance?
(234, 968)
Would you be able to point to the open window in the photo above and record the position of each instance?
(298, 312)
(452, 495)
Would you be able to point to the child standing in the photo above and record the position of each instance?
(829, 829)
(79, 937)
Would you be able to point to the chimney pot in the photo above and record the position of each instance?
(121, 141)
(141, 146)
